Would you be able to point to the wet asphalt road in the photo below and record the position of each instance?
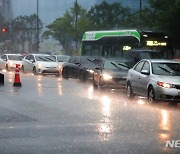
(52, 115)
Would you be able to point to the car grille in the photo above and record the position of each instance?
(50, 67)
(177, 86)
(119, 79)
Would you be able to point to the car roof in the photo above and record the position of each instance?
(141, 50)
(9, 54)
(61, 55)
(161, 61)
(34, 54)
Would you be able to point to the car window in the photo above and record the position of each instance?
(28, 57)
(54, 58)
(168, 69)
(72, 60)
(139, 66)
(15, 57)
(32, 58)
(91, 61)
(108, 64)
(146, 66)
(4, 57)
(77, 60)
(44, 58)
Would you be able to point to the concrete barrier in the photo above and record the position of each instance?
(1, 79)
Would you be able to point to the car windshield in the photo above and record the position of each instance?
(45, 58)
(115, 65)
(63, 59)
(169, 69)
(15, 57)
(91, 61)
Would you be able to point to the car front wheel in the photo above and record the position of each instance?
(129, 92)
(22, 68)
(65, 74)
(151, 95)
(82, 76)
(7, 68)
(34, 71)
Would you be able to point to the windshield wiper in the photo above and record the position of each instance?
(50, 59)
(123, 65)
(167, 70)
(116, 66)
(42, 59)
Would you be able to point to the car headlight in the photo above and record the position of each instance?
(165, 85)
(60, 66)
(11, 63)
(107, 77)
(91, 71)
(39, 66)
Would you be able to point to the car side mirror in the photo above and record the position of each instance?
(77, 63)
(145, 72)
(32, 61)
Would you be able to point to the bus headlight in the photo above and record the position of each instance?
(107, 76)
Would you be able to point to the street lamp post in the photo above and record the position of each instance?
(37, 25)
(76, 18)
(140, 11)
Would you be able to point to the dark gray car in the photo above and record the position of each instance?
(111, 74)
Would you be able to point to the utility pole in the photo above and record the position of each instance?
(76, 19)
(140, 11)
(37, 26)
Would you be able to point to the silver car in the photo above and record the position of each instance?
(40, 64)
(9, 61)
(156, 79)
(61, 59)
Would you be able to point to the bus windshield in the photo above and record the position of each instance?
(116, 43)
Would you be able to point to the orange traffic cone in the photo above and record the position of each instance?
(17, 82)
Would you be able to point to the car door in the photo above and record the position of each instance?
(144, 79)
(76, 67)
(31, 63)
(135, 77)
(3, 61)
(27, 64)
(69, 66)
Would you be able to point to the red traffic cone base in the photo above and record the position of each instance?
(17, 81)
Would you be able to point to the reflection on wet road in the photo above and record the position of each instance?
(51, 115)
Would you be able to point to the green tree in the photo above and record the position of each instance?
(108, 16)
(69, 28)
(164, 16)
(24, 29)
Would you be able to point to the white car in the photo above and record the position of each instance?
(156, 79)
(40, 64)
(61, 59)
(9, 61)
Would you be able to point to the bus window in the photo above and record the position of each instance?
(95, 51)
(88, 50)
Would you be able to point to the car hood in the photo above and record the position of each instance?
(50, 64)
(117, 73)
(168, 79)
(15, 62)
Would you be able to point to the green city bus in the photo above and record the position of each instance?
(116, 43)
